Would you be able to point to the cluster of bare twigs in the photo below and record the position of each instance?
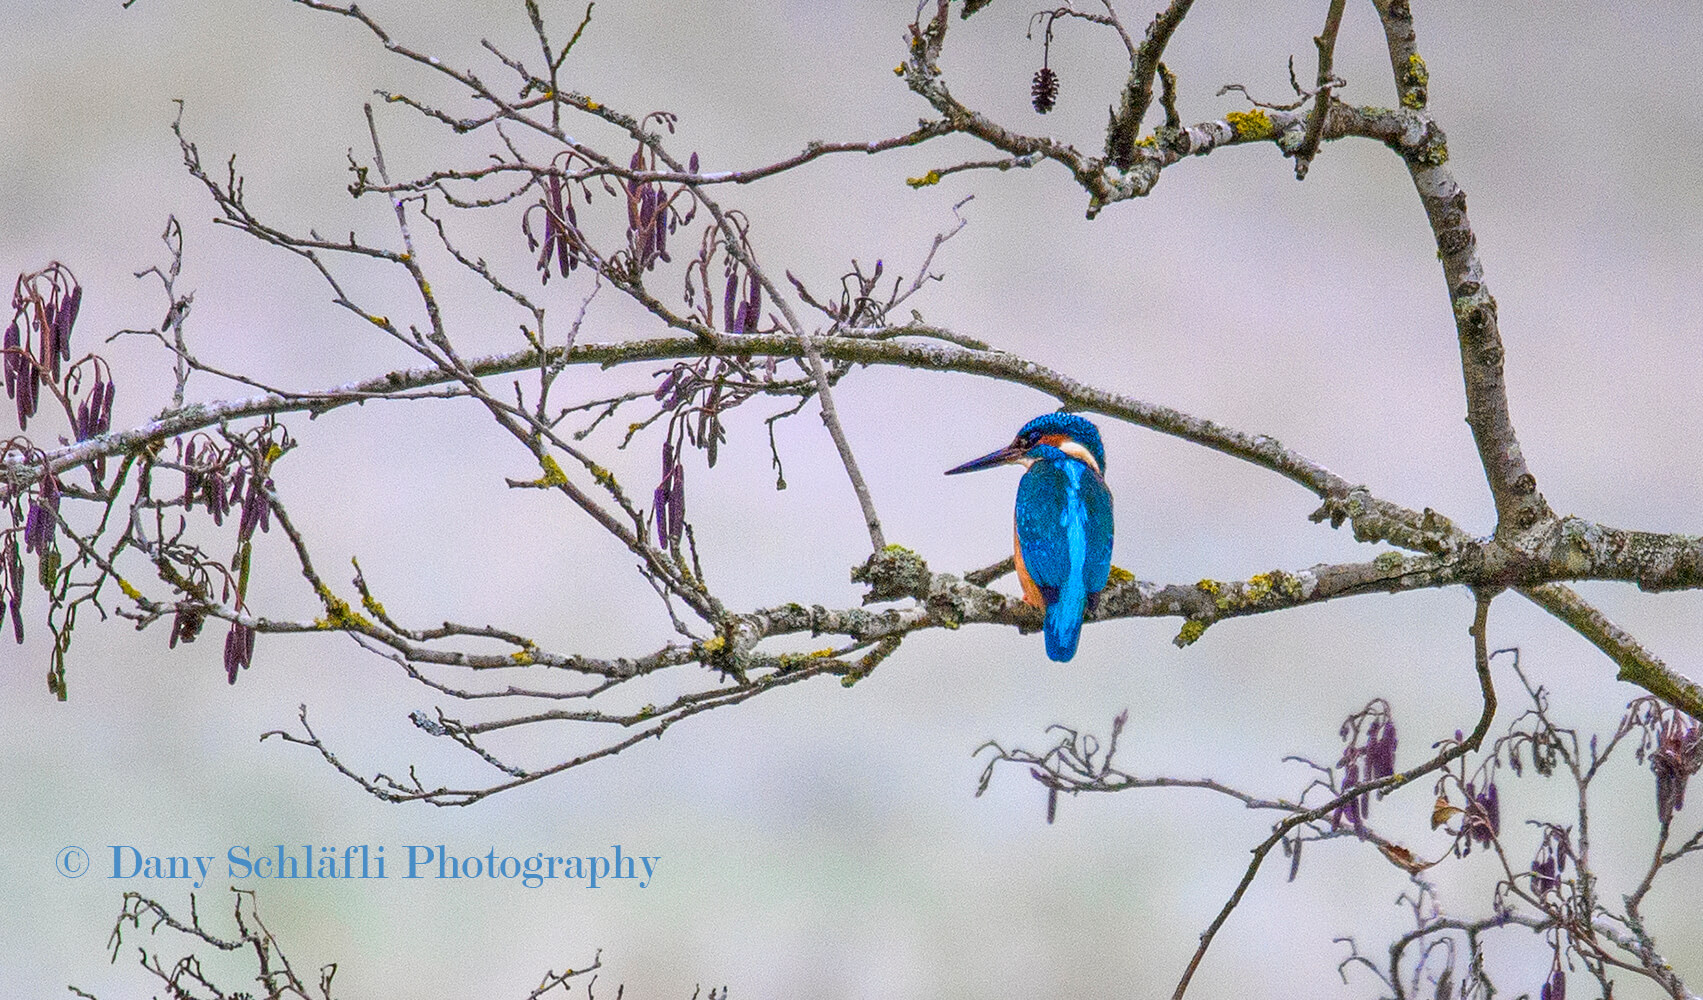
(731, 328)
(186, 976)
(1557, 895)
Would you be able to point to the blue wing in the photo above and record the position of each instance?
(1098, 500)
(1043, 499)
(1064, 528)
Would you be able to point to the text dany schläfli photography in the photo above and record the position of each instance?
(421, 862)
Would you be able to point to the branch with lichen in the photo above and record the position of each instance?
(1524, 519)
(1574, 550)
(1513, 487)
(713, 355)
(1132, 166)
(738, 668)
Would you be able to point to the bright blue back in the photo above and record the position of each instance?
(1064, 528)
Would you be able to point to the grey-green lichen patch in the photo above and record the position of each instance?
(1415, 79)
(1389, 562)
(1192, 629)
(893, 573)
(1577, 544)
(1252, 126)
(1277, 583)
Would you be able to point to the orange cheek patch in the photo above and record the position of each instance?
(1071, 448)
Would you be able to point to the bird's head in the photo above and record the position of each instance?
(1069, 433)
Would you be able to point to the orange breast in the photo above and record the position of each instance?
(1031, 593)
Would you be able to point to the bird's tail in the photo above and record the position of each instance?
(1063, 625)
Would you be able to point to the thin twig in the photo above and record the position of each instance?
(1326, 80)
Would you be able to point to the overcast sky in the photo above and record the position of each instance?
(824, 842)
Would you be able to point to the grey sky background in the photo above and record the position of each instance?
(824, 842)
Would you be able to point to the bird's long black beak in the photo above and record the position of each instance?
(1010, 453)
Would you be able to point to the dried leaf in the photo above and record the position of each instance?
(1442, 812)
(1403, 858)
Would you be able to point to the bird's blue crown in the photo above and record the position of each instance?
(1070, 425)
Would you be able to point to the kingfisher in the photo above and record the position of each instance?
(1063, 532)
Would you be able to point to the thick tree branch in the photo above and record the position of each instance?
(1373, 519)
(1637, 665)
(1131, 169)
(1518, 503)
